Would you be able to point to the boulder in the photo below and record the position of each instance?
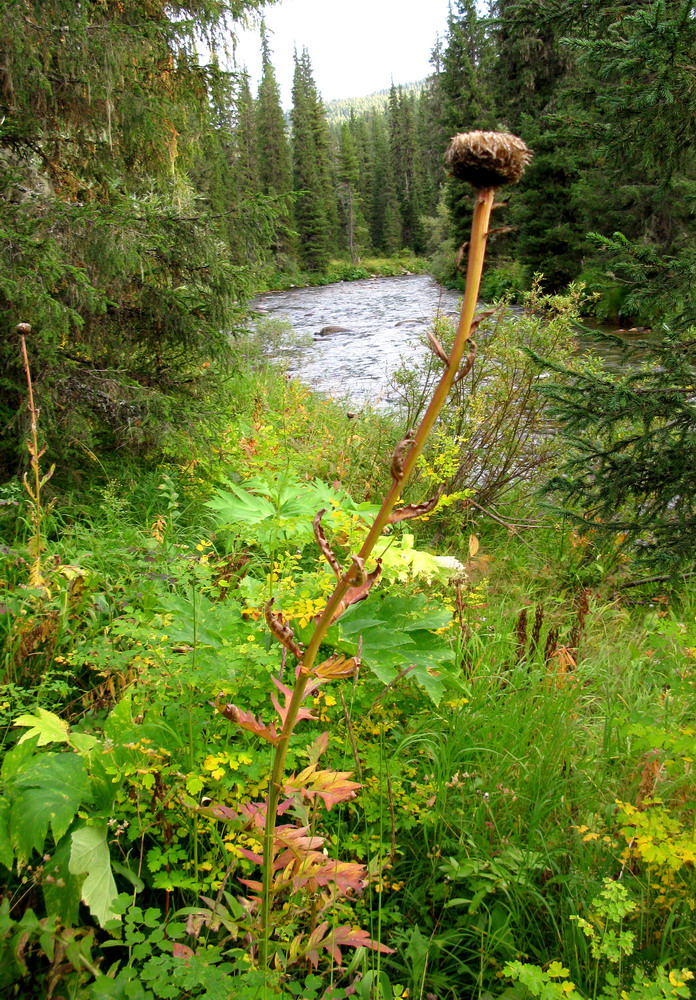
(326, 330)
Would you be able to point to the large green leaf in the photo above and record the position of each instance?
(49, 791)
(203, 623)
(15, 759)
(62, 893)
(6, 852)
(90, 856)
(49, 728)
(397, 634)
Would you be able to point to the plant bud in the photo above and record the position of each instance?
(487, 159)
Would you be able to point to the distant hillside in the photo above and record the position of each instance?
(339, 110)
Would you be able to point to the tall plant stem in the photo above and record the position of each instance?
(36, 579)
(477, 250)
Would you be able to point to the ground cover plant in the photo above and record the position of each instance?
(504, 764)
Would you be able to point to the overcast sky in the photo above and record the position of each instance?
(356, 46)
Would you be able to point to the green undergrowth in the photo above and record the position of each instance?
(345, 270)
(521, 729)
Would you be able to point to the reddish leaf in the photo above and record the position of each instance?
(355, 937)
(217, 811)
(331, 786)
(303, 713)
(332, 940)
(251, 884)
(246, 720)
(251, 855)
(182, 951)
(317, 748)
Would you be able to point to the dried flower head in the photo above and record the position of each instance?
(487, 159)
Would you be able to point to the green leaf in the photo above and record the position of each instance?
(6, 852)
(90, 856)
(134, 880)
(50, 790)
(47, 726)
(83, 743)
(16, 757)
(62, 894)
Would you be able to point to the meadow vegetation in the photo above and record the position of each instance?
(507, 778)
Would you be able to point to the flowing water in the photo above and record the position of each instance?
(382, 319)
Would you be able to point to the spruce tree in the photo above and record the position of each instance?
(466, 101)
(315, 221)
(110, 250)
(532, 67)
(632, 439)
(353, 227)
(385, 216)
(274, 157)
(404, 158)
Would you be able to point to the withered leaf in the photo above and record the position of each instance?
(282, 631)
(414, 509)
(468, 362)
(324, 545)
(358, 593)
(400, 452)
(437, 347)
(336, 666)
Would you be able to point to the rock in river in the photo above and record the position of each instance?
(326, 330)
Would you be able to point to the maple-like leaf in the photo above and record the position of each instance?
(246, 720)
(317, 748)
(355, 937)
(334, 938)
(295, 839)
(330, 786)
(303, 713)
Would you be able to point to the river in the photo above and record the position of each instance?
(384, 320)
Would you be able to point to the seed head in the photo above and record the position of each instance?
(487, 159)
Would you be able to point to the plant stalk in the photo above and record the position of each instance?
(477, 249)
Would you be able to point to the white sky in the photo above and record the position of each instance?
(356, 46)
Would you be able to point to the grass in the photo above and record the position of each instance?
(489, 820)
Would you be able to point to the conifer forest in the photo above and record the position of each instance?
(309, 696)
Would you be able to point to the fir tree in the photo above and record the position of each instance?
(403, 153)
(108, 248)
(465, 99)
(385, 215)
(274, 157)
(354, 229)
(315, 204)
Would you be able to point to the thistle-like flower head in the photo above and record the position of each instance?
(487, 159)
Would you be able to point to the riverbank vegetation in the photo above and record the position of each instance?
(490, 790)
